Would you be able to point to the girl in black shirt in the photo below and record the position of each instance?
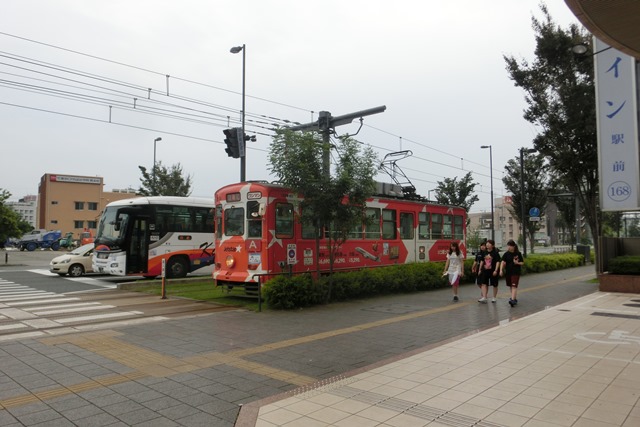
(512, 262)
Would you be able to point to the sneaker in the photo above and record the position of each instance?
(515, 302)
(455, 297)
(493, 300)
(483, 300)
(511, 302)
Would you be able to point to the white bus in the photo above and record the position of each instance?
(135, 235)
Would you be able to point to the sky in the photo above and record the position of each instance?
(72, 71)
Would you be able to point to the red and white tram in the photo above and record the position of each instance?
(258, 232)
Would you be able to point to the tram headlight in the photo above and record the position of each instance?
(230, 261)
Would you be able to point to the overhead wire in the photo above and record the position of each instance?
(181, 98)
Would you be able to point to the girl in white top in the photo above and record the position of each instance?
(454, 268)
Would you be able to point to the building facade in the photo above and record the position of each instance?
(72, 203)
(26, 207)
(507, 226)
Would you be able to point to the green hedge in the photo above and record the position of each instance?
(625, 265)
(284, 292)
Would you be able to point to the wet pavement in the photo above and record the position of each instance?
(204, 369)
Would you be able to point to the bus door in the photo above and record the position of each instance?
(408, 234)
(138, 248)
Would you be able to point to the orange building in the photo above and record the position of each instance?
(73, 203)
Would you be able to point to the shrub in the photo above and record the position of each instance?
(625, 265)
(284, 292)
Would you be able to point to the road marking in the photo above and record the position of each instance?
(51, 307)
(44, 301)
(43, 295)
(12, 326)
(70, 310)
(43, 272)
(96, 317)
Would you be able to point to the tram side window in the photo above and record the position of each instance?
(458, 227)
(436, 226)
(234, 222)
(284, 220)
(254, 220)
(406, 225)
(423, 225)
(389, 230)
(447, 232)
(308, 230)
(219, 221)
(372, 225)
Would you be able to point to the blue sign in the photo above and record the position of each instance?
(534, 212)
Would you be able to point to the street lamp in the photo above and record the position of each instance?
(523, 210)
(241, 141)
(154, 163)
(493, 230)
(429, 193)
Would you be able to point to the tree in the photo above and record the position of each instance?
(165, 182)
(336, 203)
(11, 223)
(457, 193)
(535, 190)
(559, 92)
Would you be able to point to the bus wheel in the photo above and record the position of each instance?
(176, 268)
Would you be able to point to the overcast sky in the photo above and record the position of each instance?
(69, 67)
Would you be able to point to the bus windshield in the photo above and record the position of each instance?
(112, 227)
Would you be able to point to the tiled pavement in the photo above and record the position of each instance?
(577, 364)
(200, 370)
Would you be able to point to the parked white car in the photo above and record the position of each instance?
(75, 263)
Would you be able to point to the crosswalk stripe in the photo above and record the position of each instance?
(72, 310)
(12, 326)
(48, 307)
(43, 301)
(96, 317)
(22, 292)
(43, 295)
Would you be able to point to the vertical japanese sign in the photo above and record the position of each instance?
(617, 120)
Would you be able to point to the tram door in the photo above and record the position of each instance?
(408, 234)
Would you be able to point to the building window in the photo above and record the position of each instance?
(54, 221)
(79, 206)
(53, 202)
(78, 224)
(92, 206)
(92, 224)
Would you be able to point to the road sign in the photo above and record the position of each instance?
(534, 212)
(534, 218)
(291, 253)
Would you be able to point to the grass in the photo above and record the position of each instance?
(202, 291)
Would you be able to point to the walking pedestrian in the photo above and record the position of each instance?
(512, 262)
(490, 272)
(454, 268)
(476, 268)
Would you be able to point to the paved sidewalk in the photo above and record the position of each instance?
(576, 364)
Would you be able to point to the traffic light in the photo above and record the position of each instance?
(232, 150)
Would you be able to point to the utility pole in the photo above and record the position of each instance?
(326, 124)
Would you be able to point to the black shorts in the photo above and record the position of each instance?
(489, 279)
(512, 280)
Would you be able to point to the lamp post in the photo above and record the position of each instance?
(493, 230)
(241, 141)
(523, 210)
(154, 164)
(429, 193)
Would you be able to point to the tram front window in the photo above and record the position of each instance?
(234, 222)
